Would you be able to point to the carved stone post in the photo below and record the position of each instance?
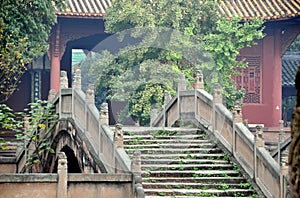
(63, 80)
(284, 170)
(51, 95)
(90, 94)
(280, 140)
(181, 82)
(199, 80)
(153, 116)
(218, 94)
(136, 169)
(136, 162)
(103, 114)
(62, 171)
(167, 98)
(237, 118)
(259, 139)
(77, 79)
(258, 143)
(118, 136)
(237, 113)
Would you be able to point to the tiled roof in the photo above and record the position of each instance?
(85, 8)
(290, 64)
(265, 9)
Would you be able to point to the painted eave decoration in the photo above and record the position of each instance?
(247, 9)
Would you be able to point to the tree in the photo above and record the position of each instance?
(24, 30)
(198, 21)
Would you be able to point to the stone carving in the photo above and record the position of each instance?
(51, 95)
(181, 82)
(199, 80)
(139, 190)
(62, 171)
(118, 136)
(259, 139)
(62, 161)
(281, 132)
(218, 93)
(237, 113)
(153, 116)
(167, 97)
(136, 162)
(77, 79)
(63, 80)
(90, 94)
(294, 152)
(103, 114)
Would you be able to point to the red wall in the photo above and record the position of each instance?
(268, 111)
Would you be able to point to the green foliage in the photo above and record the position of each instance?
(224, 44)
(39, 122)
(24, 31)
(32, 128)
(9, 121)
(202, 28)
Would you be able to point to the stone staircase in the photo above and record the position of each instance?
(9, 149)
(185, 163)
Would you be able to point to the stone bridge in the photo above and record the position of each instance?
(84, 143)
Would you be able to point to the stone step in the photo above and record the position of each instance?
(190, 173)
(198, 192)
(184, 161)
(138, 141)
(178, 137)
(186, 167)
(201, 185)
(171, 179)
(155, 130)
(184, 156)
(174, 150)
(167, 145)
(153, 196)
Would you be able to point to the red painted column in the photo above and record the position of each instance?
(271, 78)
(55, 60)
(277, 79)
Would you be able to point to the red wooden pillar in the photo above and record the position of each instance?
(277, 80)
(55, 54)
(272, 80)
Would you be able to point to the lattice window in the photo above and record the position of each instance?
(250, 79)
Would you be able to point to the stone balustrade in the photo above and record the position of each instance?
(207, 111)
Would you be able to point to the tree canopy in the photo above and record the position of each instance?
(24, 31)
(203, 30)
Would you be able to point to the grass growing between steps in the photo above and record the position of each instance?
(186, 163)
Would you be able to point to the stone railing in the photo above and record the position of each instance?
(74, 103)
(227, 127)
(64, 184)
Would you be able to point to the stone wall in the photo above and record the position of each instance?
(78, 185)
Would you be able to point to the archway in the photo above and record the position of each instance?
(73, 165)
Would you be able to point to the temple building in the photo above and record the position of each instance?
(81, 26)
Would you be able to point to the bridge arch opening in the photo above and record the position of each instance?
(73, 165)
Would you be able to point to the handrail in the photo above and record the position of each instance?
(248, 150)
(73, 103)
